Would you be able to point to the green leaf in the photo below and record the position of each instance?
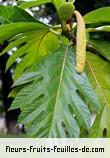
(26, 78)
(101, 126)
(33, 3)
(33, 40)
(10, 30)
(102, 47)
(57, 108)
(26, 36)
(14, 91)
(99, 74)
(101, 15)
(38, 49)
(12, 14)
(57, 4)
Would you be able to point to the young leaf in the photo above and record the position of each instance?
(53, 106)
(57, 4)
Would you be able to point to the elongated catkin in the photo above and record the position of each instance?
(80, 43)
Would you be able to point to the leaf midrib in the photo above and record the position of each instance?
(59, 85)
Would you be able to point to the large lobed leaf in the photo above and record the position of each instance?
(33, 40)
(51, 100)
(10, 30)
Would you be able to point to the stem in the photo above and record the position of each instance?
(56, 27)
(55, 32)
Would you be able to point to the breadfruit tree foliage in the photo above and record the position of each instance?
(61, 72)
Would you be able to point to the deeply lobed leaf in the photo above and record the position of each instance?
(32, 40)
(52, 106)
